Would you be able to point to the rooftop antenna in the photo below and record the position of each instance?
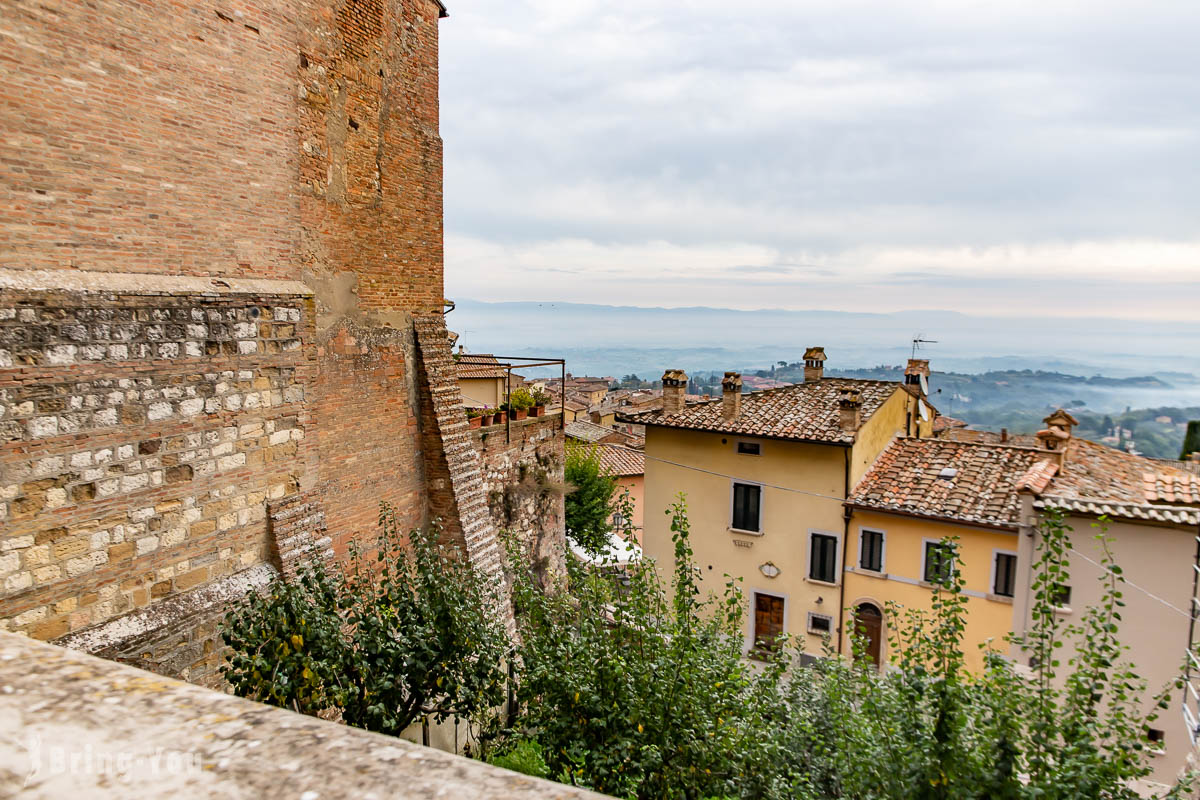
(918, 341)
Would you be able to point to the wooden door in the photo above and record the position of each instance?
(869, 623)
(768, 620)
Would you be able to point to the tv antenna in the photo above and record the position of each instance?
(918, 341)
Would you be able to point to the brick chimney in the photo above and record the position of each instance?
(916, 369)
(849, 409)
(1054, 438)
(814, 364)
(731, 395)
(674, 382)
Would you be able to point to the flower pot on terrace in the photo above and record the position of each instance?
(499, 418)
(486, 420)
(519, 413)
(474, 422)
(537, 411)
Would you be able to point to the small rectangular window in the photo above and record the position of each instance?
(1156, 736)
(1061, 596)
(820, 624)
(768, 621)
(747, 504)
(749, 448)
(822, 562)
(939, 562)
(1006, 575)
(870, 556)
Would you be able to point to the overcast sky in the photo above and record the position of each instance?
(1010, 158)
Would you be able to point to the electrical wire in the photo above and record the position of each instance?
(1126, 581)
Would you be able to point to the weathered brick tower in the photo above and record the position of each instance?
(219, 222)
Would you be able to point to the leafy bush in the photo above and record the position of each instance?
(523, 756)
(589, 502)
(640, 690)
(521, 399)
(411, 632)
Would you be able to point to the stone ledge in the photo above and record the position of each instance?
(137, 283)
(123, 631)
(84, 727)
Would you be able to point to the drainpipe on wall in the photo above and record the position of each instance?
(846, 512)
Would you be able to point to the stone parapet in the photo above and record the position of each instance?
(83, 727)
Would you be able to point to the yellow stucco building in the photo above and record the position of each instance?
(766, 476)
(918, 493)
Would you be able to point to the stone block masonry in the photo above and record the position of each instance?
(141, 437)
(523, 477)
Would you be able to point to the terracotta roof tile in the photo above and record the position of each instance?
(479, 365)
(1096, 479)
(591, 432)
(954, 481)
(1170, 488)
(622, 461)
(806, 411)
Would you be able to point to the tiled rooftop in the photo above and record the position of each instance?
(591, 432)
(622, 461)
(479, 365)
(805, 412)
(1095, 471)
(956, 481)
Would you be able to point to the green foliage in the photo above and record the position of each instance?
(1191, 440)
(523, 756)
(641, 690)
(409, 632)
(589, 503)
(643, 693)
(521, 399)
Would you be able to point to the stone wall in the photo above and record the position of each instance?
(218, 223)
(144, 432)
(523, 477)
(82, 728)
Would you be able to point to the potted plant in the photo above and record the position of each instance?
(485, 415)
(540, 399)
(500, 415)
(474, 417)
(519, 403)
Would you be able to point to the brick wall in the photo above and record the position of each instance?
(217, 222)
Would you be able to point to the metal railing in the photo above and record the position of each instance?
(508, 363)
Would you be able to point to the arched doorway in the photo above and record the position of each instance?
(868, 622)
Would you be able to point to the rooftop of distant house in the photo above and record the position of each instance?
(622, 461)
(974, 484)
(806, 411)
(479, 365)
(591, 432)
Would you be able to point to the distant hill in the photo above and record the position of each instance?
(618, 340)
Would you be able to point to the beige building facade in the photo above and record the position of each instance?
(765, 476)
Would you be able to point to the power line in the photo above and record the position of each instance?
(747, 480)
(1126, 581)
(1130, 583)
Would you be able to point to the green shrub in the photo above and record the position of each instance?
(523, 756)
(521, 399)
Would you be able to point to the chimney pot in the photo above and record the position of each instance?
(849, 409)
(916, 369)
(674, 383)
(814, 364)
(1003, 435)
(1057, 434)
(731, 395)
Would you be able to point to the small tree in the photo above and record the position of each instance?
(640, 691)
(1191, 440)
(589, 501)
(411, 632)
